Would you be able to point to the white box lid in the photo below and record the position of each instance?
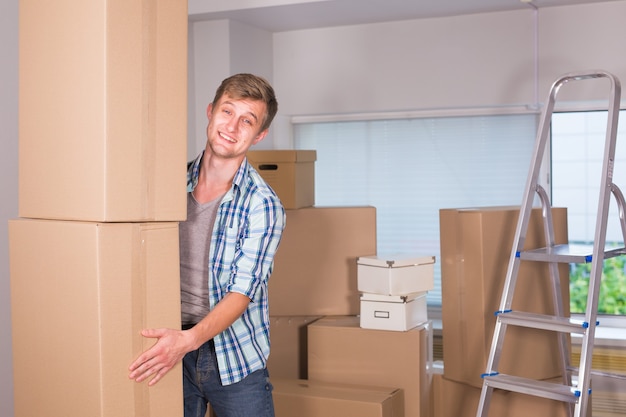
(395, 261)
(392, 298)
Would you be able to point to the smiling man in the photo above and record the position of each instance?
(227, 246)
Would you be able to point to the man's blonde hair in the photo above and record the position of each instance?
(250, 86)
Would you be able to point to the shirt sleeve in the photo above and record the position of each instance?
(258, 243)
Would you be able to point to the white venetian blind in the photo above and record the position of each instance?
(410, 168)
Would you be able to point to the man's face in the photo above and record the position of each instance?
(234, 125)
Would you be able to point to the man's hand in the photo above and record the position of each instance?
(155, 362)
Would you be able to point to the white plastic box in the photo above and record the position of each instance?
(395, 275)
(393, 312)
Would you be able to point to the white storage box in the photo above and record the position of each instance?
(393, 312)
(395, 275)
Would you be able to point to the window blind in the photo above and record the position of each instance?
(409, 169)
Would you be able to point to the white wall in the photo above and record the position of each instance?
(8, 186)
(209, 64)
(589, 36)
(476, 61)
(218, 49)
(467, 61)
(485, 60)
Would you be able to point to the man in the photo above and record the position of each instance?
(227, 245)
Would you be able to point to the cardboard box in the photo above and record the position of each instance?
(288, 357)
(475, 247)
(80, 295)
(396, 274)
(301, 398)
(103, 110)
(340, 351)
(291, 173)
(314, 269)
(455, 399)
(393, 312)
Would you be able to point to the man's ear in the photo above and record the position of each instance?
(260, 137)
(209, 110)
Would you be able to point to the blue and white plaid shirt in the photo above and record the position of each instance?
(245, 237)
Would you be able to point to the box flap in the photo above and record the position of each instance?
(285, 155)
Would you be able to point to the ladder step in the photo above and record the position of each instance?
(543, 389)
(544, 322)
(569, 253)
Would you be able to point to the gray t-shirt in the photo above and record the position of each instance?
(195, 239)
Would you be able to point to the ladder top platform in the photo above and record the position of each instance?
(569, 253)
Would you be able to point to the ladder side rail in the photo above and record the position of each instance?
(621, 208)
(518, 244)
(557, 298)
(597, 262)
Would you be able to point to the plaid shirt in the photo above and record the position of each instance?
(245, 237)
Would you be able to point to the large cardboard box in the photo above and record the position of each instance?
(456, 399)
(315, 267)
(103, 110)
(288, 357)
(302, 398)
(475, 247)
(291, 173)
(80, 295)
(342, 352)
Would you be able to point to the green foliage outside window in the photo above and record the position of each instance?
(612, 287)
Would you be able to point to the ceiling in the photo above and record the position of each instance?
(286, 15)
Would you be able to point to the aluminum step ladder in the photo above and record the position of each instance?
(574, 393)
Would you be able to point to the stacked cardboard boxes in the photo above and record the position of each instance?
(313, 284)
(476, 244)
(94, 253)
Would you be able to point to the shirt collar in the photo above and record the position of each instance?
(193, 172)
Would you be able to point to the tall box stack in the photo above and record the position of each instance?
(314, 276)
(102, 156)
(476, 244)
(393, 291)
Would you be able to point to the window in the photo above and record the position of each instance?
(410, 168)
(577, 152)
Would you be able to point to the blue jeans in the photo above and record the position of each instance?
(250, 397)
